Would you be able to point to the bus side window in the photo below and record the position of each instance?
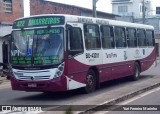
(131, 37)
(107, 37)
(141, 37)
(150, 37)
(76, 39)
(92, 36)
(120, 37)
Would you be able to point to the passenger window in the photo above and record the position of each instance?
(92, 36)
(150, 38)
(107, 37)
(76, 39)
(120, 37)
(141, 37)
(131, 37)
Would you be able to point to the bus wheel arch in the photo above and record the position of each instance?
(136, 71)
(92, 80)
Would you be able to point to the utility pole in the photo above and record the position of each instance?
(143, 11)
(22, 10)
(94, 8)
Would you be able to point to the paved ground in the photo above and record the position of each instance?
(3, 79)
(4, 82)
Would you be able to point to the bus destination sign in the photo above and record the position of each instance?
(39, 21)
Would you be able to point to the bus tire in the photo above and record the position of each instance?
(136, 72)
(90, 82)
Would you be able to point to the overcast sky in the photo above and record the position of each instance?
(102, 5)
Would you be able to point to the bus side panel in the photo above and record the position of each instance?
(116, 64)
(119, 61)
(144, 65)
(147, 62)
(105, 73)
(121, 69)
(76, 70)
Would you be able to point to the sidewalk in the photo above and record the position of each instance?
(3, 79)
(4, 82)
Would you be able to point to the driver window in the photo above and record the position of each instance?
(76, 39)
(53, 45)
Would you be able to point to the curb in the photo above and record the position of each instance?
(112, 102)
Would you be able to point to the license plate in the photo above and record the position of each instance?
(32, 85)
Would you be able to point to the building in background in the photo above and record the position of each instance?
(47, 7)
(130, 8)
(9, 11)
(132, 11)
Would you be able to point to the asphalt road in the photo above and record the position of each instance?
(108, 91)
(146, 103)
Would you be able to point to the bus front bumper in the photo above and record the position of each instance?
(54, 85)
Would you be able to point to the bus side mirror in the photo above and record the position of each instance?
(68, 34)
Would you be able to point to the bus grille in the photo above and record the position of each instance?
(34, 76)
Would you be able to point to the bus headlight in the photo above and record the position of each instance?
(59, 70)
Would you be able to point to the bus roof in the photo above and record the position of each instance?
(83, 19)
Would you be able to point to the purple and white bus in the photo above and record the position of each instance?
(57, 52)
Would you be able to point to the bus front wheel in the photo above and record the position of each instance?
(90, 82)
(136, 72)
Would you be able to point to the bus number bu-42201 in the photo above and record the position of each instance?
(92, 55)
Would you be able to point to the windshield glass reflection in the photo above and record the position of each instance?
(38, 46)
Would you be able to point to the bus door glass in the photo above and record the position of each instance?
(74, 47)
(74, 39)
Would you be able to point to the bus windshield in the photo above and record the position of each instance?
(41, 46)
